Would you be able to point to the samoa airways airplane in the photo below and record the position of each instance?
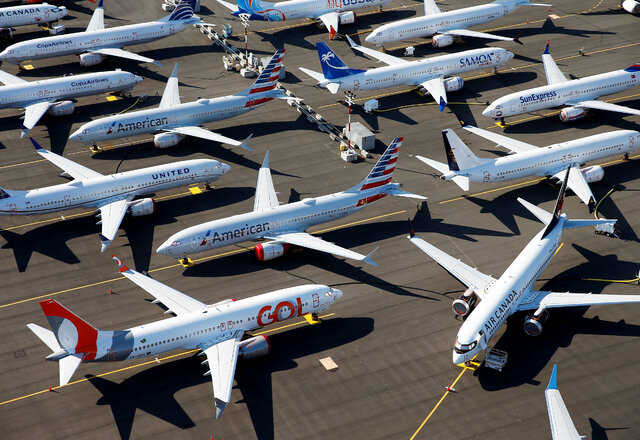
(552, 161)
(96, 43)
(112, 194)
(562, 427)
(446, 26)
(331, 13)
(14, 16)
(284, 226)
(427, 73)
(51, 95)
(579, 94)
(513, 291)
(216, 329)
(173, 121)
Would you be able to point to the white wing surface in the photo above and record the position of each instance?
(230, 6)
(384, 57)
(435, 87)
(330, 21)
(203, 133)
(266, 197)
(111, 214)
(430, 7)
(512, 145)
(562, 427)
(75, 170)
(600, 105)
(171, 94)
(551, 69)
(475, 34)
(551, 300)
(121, 53)
(32, 114)
(8, 79)
(578, 184)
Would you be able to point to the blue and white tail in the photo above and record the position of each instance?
(332, 66)
(266, 82)
(183, 11)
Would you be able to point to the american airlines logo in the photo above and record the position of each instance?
(171, 173)
(479, 59)
(236, 233)
(147, 123)
(537, 97)
(88, 82)
(52, 44)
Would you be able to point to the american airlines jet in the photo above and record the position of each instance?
(112, 194)
(44, 14)
(446, 26)
(96, 42)
(218, 330)
(580, 95)
(52, 95)
(284, 226)
(529, 160)
(513, 291)
(427, 73)
(172, 121)
(330, 13)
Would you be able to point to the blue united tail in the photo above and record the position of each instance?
(183, 11)
(332, 66)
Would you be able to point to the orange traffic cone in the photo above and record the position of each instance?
(50, 389)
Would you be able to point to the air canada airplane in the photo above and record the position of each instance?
(96, 42)
(446, 26)
(427, 73)
(552, 161)
(52, 95)
(562, 427)
(172, 121)
(112, 194)
(513, 291)
(216, 329)
(14, 16)
(580, 95)
(284, 226)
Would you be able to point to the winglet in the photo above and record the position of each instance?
(411, 233)
(443, 103)
(351, 42)
(265, 162)
(174, 74)
(368, 259)
(517, 39)
(35, 144)
(244, 145)
(105, 242)
(120, 264)
(332, 32)
(220, 406)
(158, 63)
(100, 4)
(546, 49)
(553, 380)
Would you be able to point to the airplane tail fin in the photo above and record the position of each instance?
(459, 156)
(68, 364)
(183, 11)
(257, 10)
(633, 68)
(73, 334)
(267, 80)
(332, 66)
(4, 194)
(382, 172)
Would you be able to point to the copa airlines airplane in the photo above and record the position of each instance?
(96, 43)
(446, 26)
(173, 121)
(579, 94)
(14, 16)
(463, 166)
(427, 73)
(562, 427)
(284, 226)
(112, 194)
(216, 329)
(330, 13)
(51, 95)
(513, 291)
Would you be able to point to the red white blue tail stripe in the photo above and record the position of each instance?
(382, 173)
(267, 80)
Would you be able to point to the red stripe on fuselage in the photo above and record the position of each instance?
(257, 102)
(375, 184)
(371, 199)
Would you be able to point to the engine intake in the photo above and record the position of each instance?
(166, 140)
(62, 108)
(347, 17)
(534, 323)
(142, 207)
(254, 347)
(453, 84)
(572, 114)
(91, 59)
(442, 40)
(464, 303)
(594, 173)
(269, 251)
(631, 6)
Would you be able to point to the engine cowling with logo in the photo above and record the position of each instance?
(533, 324)
(142, 207)
(453, 84)
(347, 17)
(254, 347)
(464, 303)
(91, 59)
(594, 173)
(166, 140)
(269, 251)
(442, 40)
(572, 114)
(62, 108)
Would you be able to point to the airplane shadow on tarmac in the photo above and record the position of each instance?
(152, 390)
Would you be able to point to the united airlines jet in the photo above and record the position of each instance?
(580, 95)
(112, 194)
(44, 14)
(96, 43)
(52, 95)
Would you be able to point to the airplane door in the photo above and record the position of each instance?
(486, 176)
(172, 29)
(13, 209)
(513, 106)
(506, 10)
(67, 200)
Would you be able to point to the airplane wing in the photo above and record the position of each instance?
(203, 133)
(8, 79)
(176, 302)
(469, 276)
(222, 357)
(435, 87)
(562, 427)
(171, 94)
(578, 184)
(550, 300)
(600, 105)
(305, 240)
(475, 34)
(121, 53)
(513, 145)
(430, 7)
(75, 170)
(32, 114)
(266, 196)
(384, 57)
(330, 21)
(551, 69)
(111, 214)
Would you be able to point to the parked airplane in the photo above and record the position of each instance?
(51, 95)
(112, 194)
(216, 329)
(513, 291)
(463, 166)
(330, 13)
(579, 94)
(173, 121)
(284, 226)
(631, 6)
(446, 26)
(96, 43)
(427, 73)
(562, 427)
(14, 16)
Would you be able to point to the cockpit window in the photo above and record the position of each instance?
(464, 348)
(176, 243)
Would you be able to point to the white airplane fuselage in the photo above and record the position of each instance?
(406, 73)
(30, 14)
(98, 190)
(22, 94)
(293, 9)
(555, 95)
(548, 161)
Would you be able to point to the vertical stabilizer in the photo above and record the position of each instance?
(74, 334)
(382, 172)
(183, 11)
(266, 82)
(332, 66)
(557, 209)
(459, 156)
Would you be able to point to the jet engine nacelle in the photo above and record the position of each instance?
(453, 84)
(534, 323)
(631, 6)
(166, 140)
(142, 207)
(254, 347)
(347, 17)
(594, 173)
(464, 303)
(269, 251)
(91, 59)
(6, 32)
(62, 108)
(442, 40)
(572, 113)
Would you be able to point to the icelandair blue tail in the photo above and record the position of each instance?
(183, 11)
(332, 66)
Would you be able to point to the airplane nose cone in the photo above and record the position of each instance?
(76, 135)
(370, 38)
(164, 248)
(457, 358)
(225, 168)
(510, 55)
(487, 112)
(138, 78)
(337, 294)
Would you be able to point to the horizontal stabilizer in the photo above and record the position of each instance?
(572, 224)
(313, 74)
(462, 182)
(68, 366)
(542, 215)
(333, 87)
(230, 6)
(45, 336)
(402, 193)
(442, 167)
